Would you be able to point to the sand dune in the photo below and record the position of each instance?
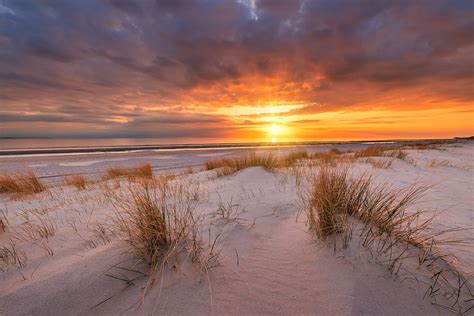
(71, 259)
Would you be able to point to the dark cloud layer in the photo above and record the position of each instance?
(176, 62)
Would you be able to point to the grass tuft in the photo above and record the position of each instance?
(293, 157)
(77, 180)
(328, 204)
(337, 202)
(233, 164)
(158, 220)
(336, 195)
(378, 151)
(331, 157)
(142, 171)
(21, 183)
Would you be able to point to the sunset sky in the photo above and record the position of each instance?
(237, 70)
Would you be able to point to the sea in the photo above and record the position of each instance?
(16, 146)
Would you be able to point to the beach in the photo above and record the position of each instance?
(258, 254)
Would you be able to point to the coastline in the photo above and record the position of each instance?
(164, 147)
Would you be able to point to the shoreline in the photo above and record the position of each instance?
(172, 147)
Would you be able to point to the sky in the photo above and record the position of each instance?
(255, 70)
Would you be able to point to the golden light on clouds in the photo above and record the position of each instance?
(286, 70)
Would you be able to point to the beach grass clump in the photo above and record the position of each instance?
(141, 171)
(336, 195)
(331, 157)
(147, 224)
(340, 204)
(378, 151)
(21, 183)
(294, 157)
(158, 219)
(431, 145)
(371, 151)
(271, 161)
(77, 180)
(115, 172)
(224, 171)
(327, 206)
(267, 160)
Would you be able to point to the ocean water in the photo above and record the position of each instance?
(42, 143)
(52, 146)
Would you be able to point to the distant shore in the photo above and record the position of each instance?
(164, 147)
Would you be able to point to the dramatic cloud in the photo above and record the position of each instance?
(154, 68)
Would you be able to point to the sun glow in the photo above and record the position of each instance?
(275, 129)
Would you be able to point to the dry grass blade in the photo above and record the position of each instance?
(3, 226)
(10, 255)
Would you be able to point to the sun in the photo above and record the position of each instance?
(275, 129)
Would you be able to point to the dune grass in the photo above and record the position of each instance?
(380, 163)
(77, 180)
(21, 183)
(378, 151)
(336, 195)
(294, 157)
(271, 161)
(230, 165)
(331, 157)
(43, 228)
(267, 160)
(11, 255)
(158, 219)
(338, 202)
(434, 163)
(141, 171)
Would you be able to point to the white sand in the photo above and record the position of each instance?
(272, 267)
